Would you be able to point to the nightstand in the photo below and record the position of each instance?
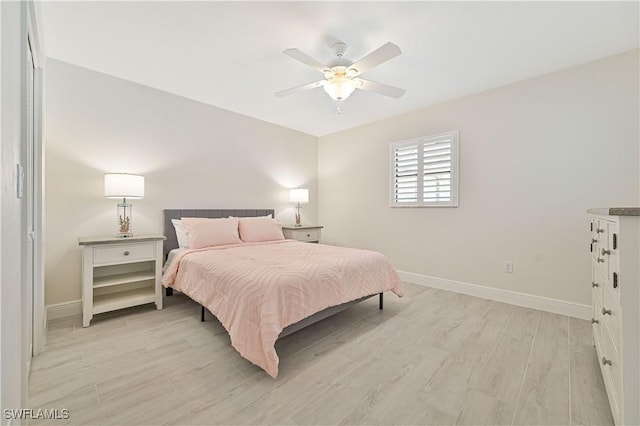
(306, 233)
(120, 272)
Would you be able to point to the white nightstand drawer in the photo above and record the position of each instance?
(123, 253)
(307, 235)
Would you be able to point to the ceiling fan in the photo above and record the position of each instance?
(341, 74)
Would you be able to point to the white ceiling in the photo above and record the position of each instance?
(229, 54)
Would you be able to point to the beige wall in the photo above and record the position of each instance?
(533, 157)
(191, 154)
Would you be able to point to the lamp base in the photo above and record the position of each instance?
(298, 217)
(125, 213)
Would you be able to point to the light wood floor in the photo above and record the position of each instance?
(432, 357)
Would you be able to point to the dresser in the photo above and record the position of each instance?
(119, 273)
(306, 233)
(615, 283)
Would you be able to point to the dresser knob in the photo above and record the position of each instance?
(593, 241)
(599, 230)
(606, 361)
(600, 260)
(594, 321)
(308, 235)
(595, 284)
(126, 253)
(606, 252)
(606, 311)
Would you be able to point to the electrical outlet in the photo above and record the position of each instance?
(508, 267)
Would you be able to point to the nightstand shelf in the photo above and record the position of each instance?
(305, 233)
(123, 299)
(118, 273)
(123, 279)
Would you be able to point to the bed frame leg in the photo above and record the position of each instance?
(202, 314)
(381, 301)
(168, 291)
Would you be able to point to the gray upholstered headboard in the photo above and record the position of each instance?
(172, 241)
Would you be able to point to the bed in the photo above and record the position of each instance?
(263, 290)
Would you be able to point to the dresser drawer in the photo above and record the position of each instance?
(597, 324)
(611, 320)
(612, 374)
(601, 232)
(595, 236)
(123, 253)
(598, 283)
(613, 261)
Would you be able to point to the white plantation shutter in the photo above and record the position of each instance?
(424, 171)
(405, 164)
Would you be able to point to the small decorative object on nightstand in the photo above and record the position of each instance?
(307, 233)
(118, 273)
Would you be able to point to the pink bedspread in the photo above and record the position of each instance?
(258, 289)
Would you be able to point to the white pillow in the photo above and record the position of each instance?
(203, 232)
(181, 233)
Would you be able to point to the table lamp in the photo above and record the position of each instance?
(124, 185)
(298, 196)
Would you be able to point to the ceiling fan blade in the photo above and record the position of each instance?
(382, 89)
(380, 55)
(306, 59)
(302, 88)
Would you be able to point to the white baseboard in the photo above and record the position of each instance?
(540, 303)
(576, 310)
(63, 310)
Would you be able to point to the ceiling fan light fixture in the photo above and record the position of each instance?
(341, 75)
(340, 87)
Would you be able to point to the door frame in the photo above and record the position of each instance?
(38, 308)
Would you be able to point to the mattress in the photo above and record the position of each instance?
(171, 256)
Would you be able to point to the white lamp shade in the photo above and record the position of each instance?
(300, 195)
(123, 185)
(340, 88)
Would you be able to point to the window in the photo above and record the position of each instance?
(424, 171)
